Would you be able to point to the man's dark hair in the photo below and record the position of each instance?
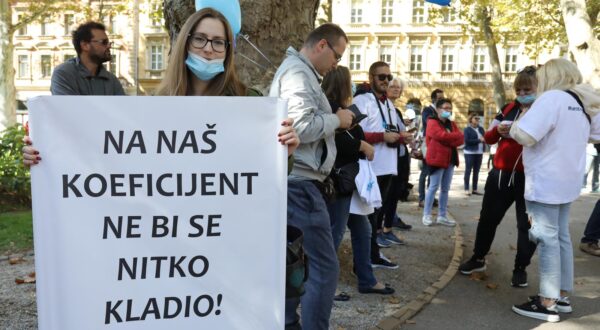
(435, 93)
(328, 31)
(440, 102)
(376, 66)
(84, 33)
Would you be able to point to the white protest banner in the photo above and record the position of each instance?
(159, 212)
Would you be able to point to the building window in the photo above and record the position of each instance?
(68, 22)
(385, 54)
(476, 106)
(448, 15)
(156, 57)
(67, 57)
(23, 66)
(23, 29)
(355, 58)
(416, 58)
(113, 27)
(418, 11)
(387, 11)
(46, 66)
(44, 28)
(479, 59)
(356, 11)
(448, 58)
(510, 64)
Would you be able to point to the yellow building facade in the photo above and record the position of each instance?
(40, 47)
(424, 55)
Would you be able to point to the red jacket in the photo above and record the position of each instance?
(441, 143)
(509, 151)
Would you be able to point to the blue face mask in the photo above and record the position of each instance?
(202, 68)
(446, 114)
(526, 99)
(353, 88)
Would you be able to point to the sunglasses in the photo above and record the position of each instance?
(383, 77)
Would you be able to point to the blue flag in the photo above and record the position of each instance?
(440, 2)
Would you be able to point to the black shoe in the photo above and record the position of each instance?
(386, 290)
(402, 225)
(381, 263)
(519, 278)
(472, 265)
(343, 296)
(435, 202)
(563, 304)
(536, 310)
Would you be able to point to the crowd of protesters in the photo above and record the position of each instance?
(350, 156)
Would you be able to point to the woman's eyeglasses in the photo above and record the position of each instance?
(199, 41)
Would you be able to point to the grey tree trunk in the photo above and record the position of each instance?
(8, 103)
(583, 43)
(272, 25)
(497, 82)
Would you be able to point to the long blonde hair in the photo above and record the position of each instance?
(559, 74)
(177, 80)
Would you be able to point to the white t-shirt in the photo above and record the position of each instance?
(554, 166)
(386, 159)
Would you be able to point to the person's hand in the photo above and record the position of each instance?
(482, 139)
(346, 116)
(30, 155)
(287, 136)
(408, 137)
(503, 130)
(367, 149)
(391, 137)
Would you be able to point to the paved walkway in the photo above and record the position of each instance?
(471, 304)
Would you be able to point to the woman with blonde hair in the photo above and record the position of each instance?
(554, 133)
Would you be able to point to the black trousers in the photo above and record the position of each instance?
(592, 229)
(500, 194)
(376, 218)
(398, 190)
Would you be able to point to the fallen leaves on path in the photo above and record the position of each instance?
(492, 286)
(393, 300)
(30, 278)
(15, 260)
(478, 276)
(512, 247)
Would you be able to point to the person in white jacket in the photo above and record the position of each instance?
(554, 133)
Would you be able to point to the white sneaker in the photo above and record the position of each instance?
(427, 220)
(446, 222)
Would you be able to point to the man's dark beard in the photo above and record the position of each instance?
(378, 90)
(100, 59)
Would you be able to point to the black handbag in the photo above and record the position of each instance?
(296, 272)
(343, 178)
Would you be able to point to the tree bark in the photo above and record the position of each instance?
(497, 82)
(8, 102)
(272, 25)
(583, 43)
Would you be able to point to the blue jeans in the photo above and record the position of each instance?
(472, 163)
(550, 229)
(307, 210)
(339, 210)
(360, 233)
(438, 178)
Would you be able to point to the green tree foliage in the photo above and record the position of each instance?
(14, 177)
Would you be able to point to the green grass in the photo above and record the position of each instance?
(16, 232)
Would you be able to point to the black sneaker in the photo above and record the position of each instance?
(536, 310)
(519, 278)
(382, 263)
(402, 225)
(563, 304)
(472, 265)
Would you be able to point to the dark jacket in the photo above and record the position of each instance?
(471, 139)
(425, 115)
(441, 143)
(509, 151)
(347, 143)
